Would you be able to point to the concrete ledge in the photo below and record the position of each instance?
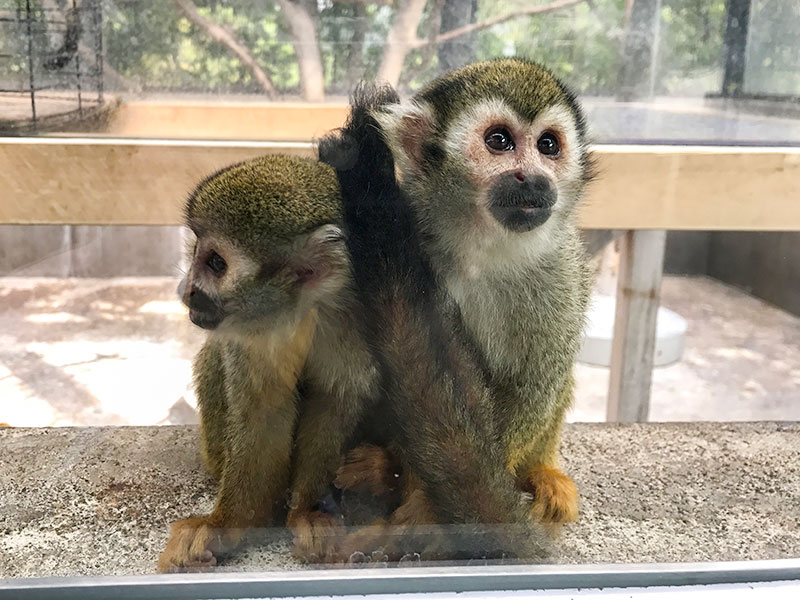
(97, 501)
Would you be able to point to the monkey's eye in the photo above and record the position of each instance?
(217, 264)
(548, 144)
(498, 139)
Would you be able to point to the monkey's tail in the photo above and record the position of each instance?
(436, 392)
(382, 234)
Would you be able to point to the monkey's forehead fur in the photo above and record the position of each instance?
(266, 199)
(527, 87)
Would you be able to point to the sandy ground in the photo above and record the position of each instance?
(118, 352)
(99, 500)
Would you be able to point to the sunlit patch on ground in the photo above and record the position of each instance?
(741, 362)
(95, 352)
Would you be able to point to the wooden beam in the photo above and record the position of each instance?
(694, 188)
(112, 182)
(128, 182)
(638, 291)
(226, 120)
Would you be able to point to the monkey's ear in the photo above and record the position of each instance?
(321, 256)
(407, 127)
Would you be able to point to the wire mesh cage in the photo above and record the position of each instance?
(51, 66)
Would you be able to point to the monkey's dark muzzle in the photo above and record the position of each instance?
(203, 311)
(522, 203)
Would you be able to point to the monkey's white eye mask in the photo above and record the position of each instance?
(518, 167)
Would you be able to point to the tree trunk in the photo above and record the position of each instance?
(306, 48)
(633, 79)
(454, 54)
(222, 36)
(402, 37)
(355, 59)
(737, 21)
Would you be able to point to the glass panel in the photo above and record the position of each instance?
(647, 71)
(95, 334)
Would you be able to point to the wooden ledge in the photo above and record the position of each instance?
(114, 181)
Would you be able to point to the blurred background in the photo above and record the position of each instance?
(91, 330)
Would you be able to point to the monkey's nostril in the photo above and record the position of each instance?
(519, 176)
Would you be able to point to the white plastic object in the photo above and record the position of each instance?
(599, 331)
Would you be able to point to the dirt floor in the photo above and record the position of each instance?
(118, 352)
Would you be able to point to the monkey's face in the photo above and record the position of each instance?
(218, 270)
(494, 155)
(521, 172)
(230, 288)
(513, 173)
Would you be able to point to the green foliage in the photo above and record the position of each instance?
(579, 44)
(691, 42)
(153, 44)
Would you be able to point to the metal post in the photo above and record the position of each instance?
(78, 68)
(97, 15)
(29, 19)
(737, 18)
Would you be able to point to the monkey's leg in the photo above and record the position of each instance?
(209, 382)
(260, 424)
(555, 497)
(325, 423)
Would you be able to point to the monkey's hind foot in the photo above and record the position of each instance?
(194, 545)
(555, 497)
(368, 469)
(317, 535)
(406, 533)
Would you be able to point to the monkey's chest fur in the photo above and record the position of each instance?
(528, 324)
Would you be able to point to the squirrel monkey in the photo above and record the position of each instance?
(444, 427)
(265, 257)
(270, 280)
(493, 159)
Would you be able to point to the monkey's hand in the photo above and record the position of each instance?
(555, 497)
(316, 534)
(194, 544)
(370, 469)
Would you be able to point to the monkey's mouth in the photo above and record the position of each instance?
(522, 203)
(521, 218)
(204, 319)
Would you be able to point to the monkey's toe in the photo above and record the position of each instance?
(555, 497)
(316, 536)
(360, 546)
(193, 545)
(368, 469)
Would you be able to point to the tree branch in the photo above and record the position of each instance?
(533, 10)
(401, 38)
(222, 36)
(434, 25)
(306, 48)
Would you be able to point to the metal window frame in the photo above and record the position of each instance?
(420, 580)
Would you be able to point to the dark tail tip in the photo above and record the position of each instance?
(361, 134)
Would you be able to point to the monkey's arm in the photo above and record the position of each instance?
(436, 393)
(209, 383)
(260, 419)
